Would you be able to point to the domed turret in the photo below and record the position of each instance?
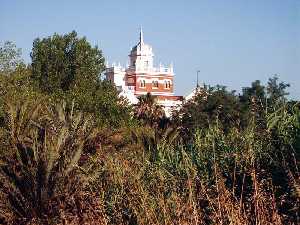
(141, 56)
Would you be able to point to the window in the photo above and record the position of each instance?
(155, 84)
(167, 84)
(142, 83)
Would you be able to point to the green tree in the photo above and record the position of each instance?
(258, 99)
(253, 103)
(210, 104)
(68, 67)
(277, 90)
(64, 62)
(10, 57)
(257, 90)
(14, 76)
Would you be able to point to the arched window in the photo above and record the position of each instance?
(167, 84)
(142, 83)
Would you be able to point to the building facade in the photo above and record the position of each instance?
(141, 77)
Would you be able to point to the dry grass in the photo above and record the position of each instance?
(138, 177)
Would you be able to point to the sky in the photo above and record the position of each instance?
(232, 42)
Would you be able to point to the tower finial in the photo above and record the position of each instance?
(141, 35)
(197, 87)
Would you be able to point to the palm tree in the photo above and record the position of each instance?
(42, 176)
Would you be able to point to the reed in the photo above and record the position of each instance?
(61, 169)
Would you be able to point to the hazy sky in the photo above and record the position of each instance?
(232, 42)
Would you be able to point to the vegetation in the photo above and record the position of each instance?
(10, 57)
(73, 152)
(67, 67)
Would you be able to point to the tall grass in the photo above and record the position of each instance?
(63, 170)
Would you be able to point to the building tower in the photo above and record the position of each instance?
(141, 76)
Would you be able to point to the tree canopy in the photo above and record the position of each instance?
(277, 90)
(10, 57)
(65, 62)
(68, 67)
(209, 104)
(213, 104)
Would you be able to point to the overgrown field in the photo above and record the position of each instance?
(73, 152)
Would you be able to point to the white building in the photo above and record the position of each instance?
(141, 77)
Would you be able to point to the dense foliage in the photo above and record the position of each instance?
(66, 67)
(10, 57)
(65, 62)
(73, 152)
